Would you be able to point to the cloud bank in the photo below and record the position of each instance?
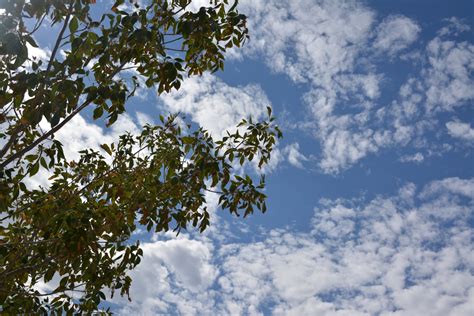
(338, 49)
(407, 254)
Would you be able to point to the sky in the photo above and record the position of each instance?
(371, 190)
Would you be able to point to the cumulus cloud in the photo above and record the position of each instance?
(79, 134)
(331, 46)
(407, 254)
(312, 41)
(215, 105)
(442, 87)
(170, 271)
(219, 107)
(395, 33)
(457, 186)
(443, 84)
(319, 43)
(449, 78)
(461, 130)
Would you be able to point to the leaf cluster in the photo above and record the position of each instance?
(79, 227)
(75, 234)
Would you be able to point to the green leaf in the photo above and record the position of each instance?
(106, 148)
(43, 163)
(31, 41)
(98, 111)
(63, 282)
(269, 110)
(34, 169)
(55, 120)
(73, 25)
(49, 274)
(187, 140)
(23, 187)
(102, 295)
(31, 158)
(112, 118)
(215, 180)
(157, 178)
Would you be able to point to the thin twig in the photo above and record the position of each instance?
(58, 40)
(173, 40)
(174, 49)
(48, 69)
(37, 25)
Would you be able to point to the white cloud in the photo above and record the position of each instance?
(449, 79)
(409, 254)
(295, 157)
(417, 158)
(343, 147)
(320, 43)
(312, 41)
(464, 187)
(441, 88)
(38, 53)
(461, 130)
(219, 107)
(170, 271)
(187, 259)
(395, 33)
(215, 105)
(333, 47)
(455, 27)
(144, 119)
(78, 134)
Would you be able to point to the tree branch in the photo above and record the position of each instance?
(9, 142)
(53, 130)
(168, 125)
(37, 25)
(173, 40)
(174, 49)
(28, 242)
(48, 69)
(59, 39)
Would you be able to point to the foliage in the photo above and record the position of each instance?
(77, 230)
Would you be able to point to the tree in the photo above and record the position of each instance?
(78, 228)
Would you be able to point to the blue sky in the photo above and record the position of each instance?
(371, 190)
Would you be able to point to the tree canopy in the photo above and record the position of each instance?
(78, 228)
